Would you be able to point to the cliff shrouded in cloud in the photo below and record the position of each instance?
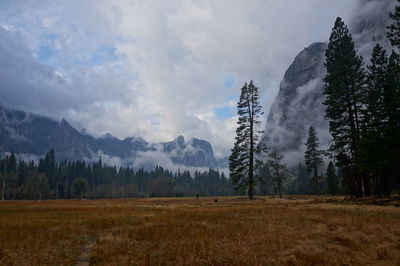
(299, 102)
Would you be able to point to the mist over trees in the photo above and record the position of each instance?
(363, 109)
(362, 101)
(277, 168)
(63, 180)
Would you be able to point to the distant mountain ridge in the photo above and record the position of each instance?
(31, 134)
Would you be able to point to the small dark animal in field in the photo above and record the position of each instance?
(197, 196)
(215, 200)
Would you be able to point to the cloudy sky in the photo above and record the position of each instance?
(153, 69)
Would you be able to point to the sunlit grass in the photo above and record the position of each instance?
(187, 231)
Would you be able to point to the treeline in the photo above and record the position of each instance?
(299, 181)
(49, 179)
(363, 108)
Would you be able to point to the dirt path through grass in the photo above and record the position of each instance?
(84, 258)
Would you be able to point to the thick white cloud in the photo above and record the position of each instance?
(154, 69)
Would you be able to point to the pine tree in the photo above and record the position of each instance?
(242, 161)
(302, 180)
(313, 157)
(373, 159)
(394, 29)
(332, 179)
(3, 187)
(344, 84)
(392, 126)
(12, 163)
(276, 166)
(265, 180)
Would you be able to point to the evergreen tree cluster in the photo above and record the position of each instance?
(363, 109)
(49, 179)
(298, 180)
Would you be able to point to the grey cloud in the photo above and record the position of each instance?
(172, 60)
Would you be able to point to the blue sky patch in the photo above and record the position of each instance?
(224, 113)
(229, 83)
(44, 53)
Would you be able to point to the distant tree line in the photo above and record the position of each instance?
(298, 180)
(49, 179)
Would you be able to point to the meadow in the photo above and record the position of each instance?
(190, 231)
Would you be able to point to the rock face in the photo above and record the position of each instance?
(298, 104)
(34, 135)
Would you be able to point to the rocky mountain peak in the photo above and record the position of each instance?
(26, 133)
(65, 125)
(180, 140)
(305, 63)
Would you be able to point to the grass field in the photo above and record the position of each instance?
(186, 231)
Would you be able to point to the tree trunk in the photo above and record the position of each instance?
(3, 190)
(250, 192)
(93, 196)
(316, 180)
(251, 163)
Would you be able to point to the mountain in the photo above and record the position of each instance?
(298, 104)
(33, 135)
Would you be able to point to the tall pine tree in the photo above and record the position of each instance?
(373, 159)
(344, 83)
(392, 112)
(313, 157)
(242, 161)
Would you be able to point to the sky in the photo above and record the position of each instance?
(154, 69)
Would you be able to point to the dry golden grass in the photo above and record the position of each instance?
(187, 231)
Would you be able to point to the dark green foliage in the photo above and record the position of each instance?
(313, 157)
(344, 87)
(277, 168)
(12, 163)
(394, 29)
(381, 126)
(162, 187)
(332, 179)
(265, 184)
(364, 116)
(375, 148)
(392, 130)
(77, 179)
(36, 186)
(302, 181)
(79, 187)
(242, 161)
